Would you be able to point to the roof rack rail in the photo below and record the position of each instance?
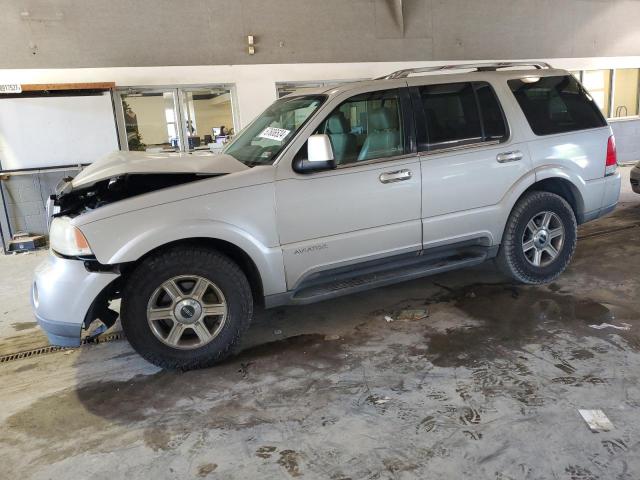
(480, 67)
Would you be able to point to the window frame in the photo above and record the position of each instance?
(406, 113)
(612, 112)
(611, 76)
(178, 92)
(421, 124)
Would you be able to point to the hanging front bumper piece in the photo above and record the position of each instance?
(62, 294)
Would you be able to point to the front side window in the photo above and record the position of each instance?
(262, 141)
(458, 114)
(366, 127)
(556, 104)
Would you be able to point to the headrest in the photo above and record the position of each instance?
(383, 119)
(337, 123)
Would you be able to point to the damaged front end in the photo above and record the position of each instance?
(69, 201)
(122, 175)
(73, 293)
(72, 202)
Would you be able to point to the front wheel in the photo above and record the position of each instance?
(186, 308)
(539, 239)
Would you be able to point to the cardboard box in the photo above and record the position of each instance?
(26, 243)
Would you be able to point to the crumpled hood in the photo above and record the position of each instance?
(123, 163)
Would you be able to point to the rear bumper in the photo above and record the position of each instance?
(610, 196)
(61, 295)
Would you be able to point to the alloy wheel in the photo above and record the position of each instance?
(187, 312)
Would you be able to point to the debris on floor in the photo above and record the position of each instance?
(597, 420)
(377, 400)
(25, 242)
(331, 338)
(413, 314)
(388, 318)
(624, 326)
(96, 329)
(277, 332)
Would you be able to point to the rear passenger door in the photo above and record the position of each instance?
(469, 161)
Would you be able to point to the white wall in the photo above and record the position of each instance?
(52, 131)
(253, 86)
(627, 134)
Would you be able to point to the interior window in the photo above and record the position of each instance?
(366, 127)
(625, 100)
(451, 114)
(598, 84)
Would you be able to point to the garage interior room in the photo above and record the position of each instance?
(342, 240)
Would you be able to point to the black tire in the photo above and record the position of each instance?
(186, 260)
(511, 257)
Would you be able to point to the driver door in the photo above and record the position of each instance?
(369, 207)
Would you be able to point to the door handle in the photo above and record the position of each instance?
(505, 157)
(397, 176)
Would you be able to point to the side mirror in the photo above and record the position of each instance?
(319, 155)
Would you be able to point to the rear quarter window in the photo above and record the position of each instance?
(556, 104)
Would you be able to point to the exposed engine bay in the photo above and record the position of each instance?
(72, 202)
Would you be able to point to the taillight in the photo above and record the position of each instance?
(611, 164)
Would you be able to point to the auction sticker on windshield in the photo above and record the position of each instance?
(273, 133)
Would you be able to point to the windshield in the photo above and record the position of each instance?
(261, 142)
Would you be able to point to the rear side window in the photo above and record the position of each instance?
(556, 104)
(492, 117)
(459, 114)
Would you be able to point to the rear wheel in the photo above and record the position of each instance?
(186, 308)
(539, 238)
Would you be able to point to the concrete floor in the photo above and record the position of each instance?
(488, 385)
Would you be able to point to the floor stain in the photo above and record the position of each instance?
(95, 405)
(483, 387)
(206, 469)
(510, 317)
(26, 368)
(576, 472)
(265, 452)
(18, 327)
(158, 439)
(289, 461)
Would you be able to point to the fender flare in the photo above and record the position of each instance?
(267, 260)
(544, 172)
(575, 181)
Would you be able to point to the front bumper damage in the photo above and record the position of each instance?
(63, 293)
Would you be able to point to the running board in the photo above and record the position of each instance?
(347, 281)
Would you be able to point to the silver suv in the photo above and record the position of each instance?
(326, 193)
